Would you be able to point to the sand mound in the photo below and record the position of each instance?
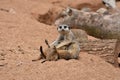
(87, 67)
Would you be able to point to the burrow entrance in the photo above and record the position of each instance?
(49, 17)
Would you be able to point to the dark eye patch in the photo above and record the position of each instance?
(60, 27)
(65, 26)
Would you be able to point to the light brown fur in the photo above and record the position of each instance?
(80, 35)
(66, 50)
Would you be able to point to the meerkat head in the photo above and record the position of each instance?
(63, 29)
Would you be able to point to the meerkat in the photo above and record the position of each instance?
(65, 34)
(65, 50)
(65, 46)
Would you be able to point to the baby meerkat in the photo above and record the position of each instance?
(65, 34)
(65, 50)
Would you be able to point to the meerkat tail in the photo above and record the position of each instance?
(42, 54)
(41, 50)
(47, 43)
(39, 56)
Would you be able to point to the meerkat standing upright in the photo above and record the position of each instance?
(65, 34)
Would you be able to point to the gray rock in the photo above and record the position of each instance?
(102, 11)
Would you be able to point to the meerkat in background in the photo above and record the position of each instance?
(65, 34)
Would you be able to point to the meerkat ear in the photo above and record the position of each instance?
(69, 11)
(46, 41)
(42, 53)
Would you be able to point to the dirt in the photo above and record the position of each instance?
(21, 34)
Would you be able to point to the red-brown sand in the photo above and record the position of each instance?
(21, 35)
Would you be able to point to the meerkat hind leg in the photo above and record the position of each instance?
(74, 50)
(64, 54)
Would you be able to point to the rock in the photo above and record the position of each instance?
(86, 9)
(102, 11)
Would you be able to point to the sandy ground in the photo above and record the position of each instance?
(21, 35)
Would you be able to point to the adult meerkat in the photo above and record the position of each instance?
(65, 34)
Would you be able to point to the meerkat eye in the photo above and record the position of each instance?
(65, 26)
(60, 27)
